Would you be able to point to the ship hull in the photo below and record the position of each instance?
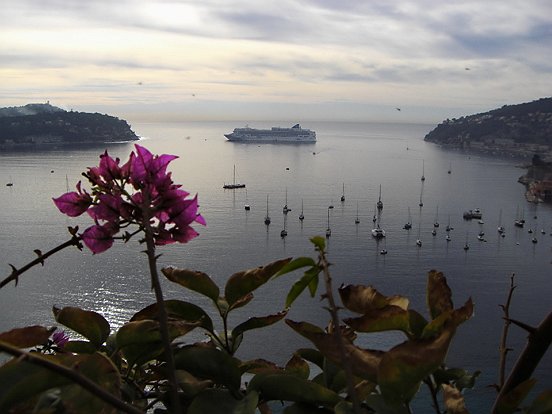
(295, 135)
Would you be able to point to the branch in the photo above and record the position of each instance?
(538, 343)
(74, 376)
(163, 319)
(14, 276)
(503, 349)
(337, 333)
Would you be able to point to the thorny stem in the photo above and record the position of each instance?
(502, 347)
(337, 333)
(163, 320)
(538, 343)
(14, 276)
(84, 382)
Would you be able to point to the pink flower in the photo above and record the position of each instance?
(98, 238)
(60, 338)
(139, 190)
(73, 203)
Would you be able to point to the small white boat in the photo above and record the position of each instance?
(378, 233)
(408, 224)
(343, 194)
(419, 243)
(447, 238)
(301, 216)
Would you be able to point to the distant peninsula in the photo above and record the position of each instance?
(47, 125)
(520, 131)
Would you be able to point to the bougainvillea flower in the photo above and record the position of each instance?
(140, 192)
(73, 203)
(98, 238)
(60, 338)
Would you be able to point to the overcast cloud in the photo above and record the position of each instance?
(305, 59)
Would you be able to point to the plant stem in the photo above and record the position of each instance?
(538, 343)
(337, 333)
(433, 391)
(163, 320)
(502, 347)
(74, 241)
(84, 382)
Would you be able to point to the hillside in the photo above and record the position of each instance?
(44, 124)
(520, 130)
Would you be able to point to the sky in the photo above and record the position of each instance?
(292, 60)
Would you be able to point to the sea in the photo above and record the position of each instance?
(363, 162)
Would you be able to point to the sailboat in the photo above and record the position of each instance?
(234, 184)
(379, 203)
(500, 227)
(328, 230)
(408, 224)
(436, 222)
(450, 168)
(466, 245)
(449, 227)
(423, 170)
(283, 233)
(378, 232)
(374, 218)
(285, 209)
(9, 183)
(267, 217)
(301, 216)
(246, 206)
(520, 221)
(343, 194)
(357, 220)
(421, 203)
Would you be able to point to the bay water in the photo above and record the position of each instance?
(350, 159)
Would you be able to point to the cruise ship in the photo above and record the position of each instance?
(275, 134)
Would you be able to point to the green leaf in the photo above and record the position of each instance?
(312, 355)
(362, 299)
(299, 286)
(388, 318)
(99, 369)
(197, 281)
(404, 366)
(258, 322)
(22, 381)
(189, 384)
(509, 403)
(364, 362)
(140, 341)
(209, 363)
(27, 337)
(179, 310)
(285, 387)
(439, 295)
(295, 264)
(242, 283)
(298, 366)
(255, 366)
(89, 324)
(319, 243)
(216, 401)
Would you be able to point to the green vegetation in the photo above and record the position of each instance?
(44, 124)
(517, 129)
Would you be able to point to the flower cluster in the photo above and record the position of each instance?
(140, 192)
